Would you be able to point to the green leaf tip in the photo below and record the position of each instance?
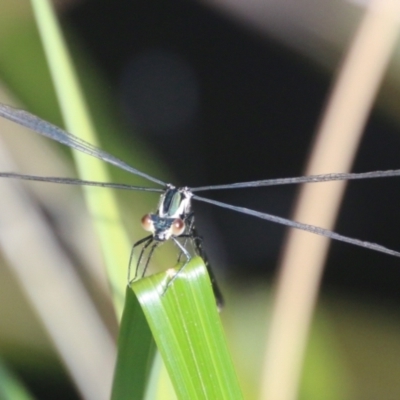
(183, 318)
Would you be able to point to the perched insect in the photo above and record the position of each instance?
(173, 219)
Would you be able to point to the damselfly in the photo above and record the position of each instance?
(173, 219)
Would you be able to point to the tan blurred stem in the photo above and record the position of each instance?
(54, 289)
(334, 149)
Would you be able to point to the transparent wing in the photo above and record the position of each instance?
(303, 179)
(54, 132)
(71, 181)
(305, 227)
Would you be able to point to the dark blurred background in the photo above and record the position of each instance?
(225, 92)
(223, 102)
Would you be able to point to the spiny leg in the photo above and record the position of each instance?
(188, 258)
(197, 241)
(189, 220)
(155, 244)
(147, 240)
(197, 244)
(198, 247)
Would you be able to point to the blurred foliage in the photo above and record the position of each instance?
(354, 346)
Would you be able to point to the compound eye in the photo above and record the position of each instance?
(178, 227)
(147, 223)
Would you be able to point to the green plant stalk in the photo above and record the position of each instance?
(10, 387)
(183, 318)
(102, 203)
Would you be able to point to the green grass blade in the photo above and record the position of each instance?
(136, 352)
(188, 333)
(114, 242)
(10, 387)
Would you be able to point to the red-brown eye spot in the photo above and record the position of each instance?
(147, 223)
(178, 226)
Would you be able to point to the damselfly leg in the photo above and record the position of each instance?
(196, 241)
(197, 244)
(148, 240)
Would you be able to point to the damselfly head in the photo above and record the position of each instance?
(169, 219)
(163, 228)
